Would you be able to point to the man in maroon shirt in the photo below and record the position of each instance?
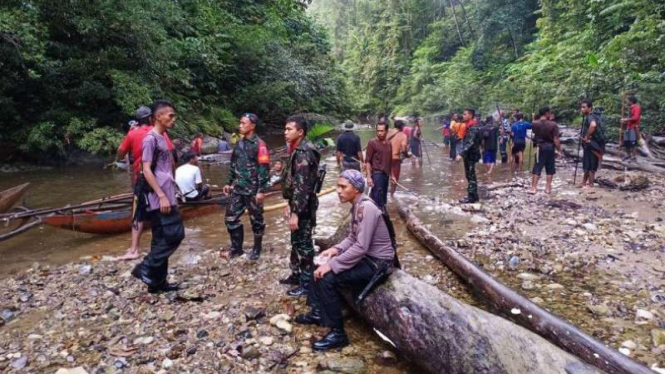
(632, 134)
(378, 160)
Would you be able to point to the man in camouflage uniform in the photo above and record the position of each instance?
(470, 154)
(299, 181)
(247, 183)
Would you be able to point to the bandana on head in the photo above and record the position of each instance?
(355, 178)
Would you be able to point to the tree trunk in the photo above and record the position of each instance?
(512, 40)
(468, 22)
(459, 32)
(518, 309)
(443, 335)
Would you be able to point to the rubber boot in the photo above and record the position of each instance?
(256, 251)
(237, 238)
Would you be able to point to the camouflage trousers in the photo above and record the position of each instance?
(236, 206)
(470, 172)
(302, 249)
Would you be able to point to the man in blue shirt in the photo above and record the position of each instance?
(518, 133)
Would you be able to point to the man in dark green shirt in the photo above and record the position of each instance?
(247, 183)
(299, 178)
(470, 153)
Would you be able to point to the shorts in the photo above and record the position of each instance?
(489, 157)
(396, 168)
(459, 146)
(590, 161)
(546, 159)
(415, 148)
(629, 138)
(519, 146)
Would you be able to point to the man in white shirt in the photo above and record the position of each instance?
(189, 181)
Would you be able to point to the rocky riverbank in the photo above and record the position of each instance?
(231, 318)
(595, 257)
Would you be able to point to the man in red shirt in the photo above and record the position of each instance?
(632, 134)
(132, 145)
(378, 159)
(197, 144)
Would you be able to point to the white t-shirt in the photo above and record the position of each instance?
(187, 177)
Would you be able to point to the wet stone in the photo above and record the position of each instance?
(343, 365)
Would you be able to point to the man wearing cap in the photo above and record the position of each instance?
(247, 183)
(350, 264)
(349, 151)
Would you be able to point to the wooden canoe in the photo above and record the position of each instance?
(11, 196)
(119, 221)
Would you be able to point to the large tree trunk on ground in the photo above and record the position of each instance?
(522, 311)
(443, 335)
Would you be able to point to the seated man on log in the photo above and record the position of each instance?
(351, 264)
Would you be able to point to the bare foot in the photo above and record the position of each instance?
(549, 192)
(580, 186)
(130, 255)
(532, 191)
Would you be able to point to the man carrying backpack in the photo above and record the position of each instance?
(593, 141)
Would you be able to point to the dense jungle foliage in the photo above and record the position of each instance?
(74, 71)
(434, 56)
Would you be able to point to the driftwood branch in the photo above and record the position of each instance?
(520, 310)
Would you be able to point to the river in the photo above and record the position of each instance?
(73, 184)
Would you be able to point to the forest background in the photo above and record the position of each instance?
(74, 71)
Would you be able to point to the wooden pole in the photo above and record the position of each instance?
(623, 103)
(520, 310)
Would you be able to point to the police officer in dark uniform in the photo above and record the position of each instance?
(247, 183)
(299, 187)
(471, 154)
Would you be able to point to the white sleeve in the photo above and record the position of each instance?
(198, 176)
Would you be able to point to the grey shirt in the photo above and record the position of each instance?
(163, 168)
(369, 237)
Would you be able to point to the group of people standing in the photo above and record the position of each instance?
(370, 244)
(351, 263)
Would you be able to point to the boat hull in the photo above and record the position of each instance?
(115, 222)
(11, 196)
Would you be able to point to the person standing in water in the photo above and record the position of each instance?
(470, 154)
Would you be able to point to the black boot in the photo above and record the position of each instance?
(164, 287)
(469, 200)
(237, 238)
(302, 290)
(336, 338)
(311, 318)
(293, 279)
(256, 251)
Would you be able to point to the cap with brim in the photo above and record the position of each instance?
(143, 112)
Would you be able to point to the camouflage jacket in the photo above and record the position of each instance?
(471, 145)
(299, 178)
(250, 164)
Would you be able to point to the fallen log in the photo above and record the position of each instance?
(520, 310)
(441, 334)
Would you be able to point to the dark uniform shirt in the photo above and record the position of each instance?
(249, 173)
(299, 178)
(471, 145)
(349, 145)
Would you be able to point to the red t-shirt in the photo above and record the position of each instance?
(133, 142)
(196, 146)
(635, 117)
